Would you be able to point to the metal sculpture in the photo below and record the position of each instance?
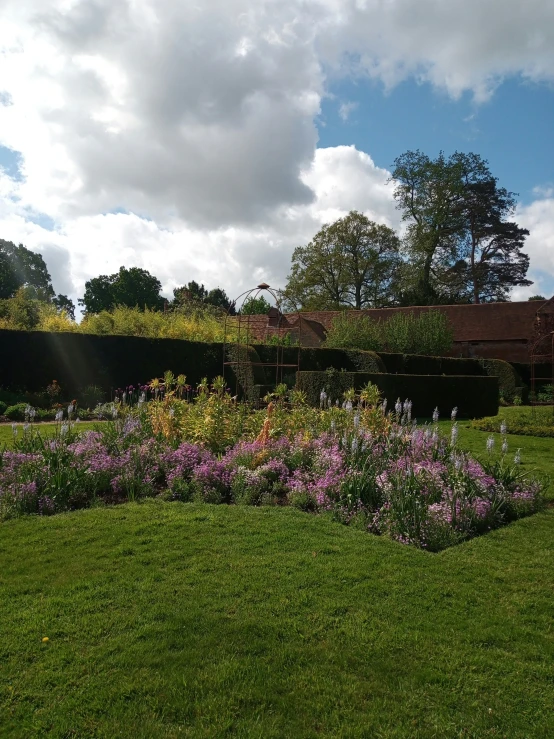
(241, 364)
(542, 349)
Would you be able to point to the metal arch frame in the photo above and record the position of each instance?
(244, 335)
(542, 348)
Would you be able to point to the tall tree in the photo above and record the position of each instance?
(350, 263)
(134, 287)
(62, 302)
(21, 267)
(458, 242)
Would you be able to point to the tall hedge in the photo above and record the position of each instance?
(509, 382)
(32, 359)
(420, 364)
(474, 396)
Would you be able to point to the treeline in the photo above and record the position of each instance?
(460, 244)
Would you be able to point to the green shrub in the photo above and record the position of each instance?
(509, 382)
(3, 407)
(473, 396)
(428, 333)
(530, 422)
(16, 412)
(91, 396)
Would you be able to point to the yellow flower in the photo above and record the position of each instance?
(45, 639)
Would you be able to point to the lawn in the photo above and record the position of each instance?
(170, 620)
(46, 429)
(194, 620)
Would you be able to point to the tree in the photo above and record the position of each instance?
(255, 306)
(351, 263)
(134, 287)
(195, 294)
(537, 297)
(21, 267)
(459, 244)
(219, 299)
(62, 302)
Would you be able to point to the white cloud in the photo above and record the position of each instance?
(234, 258)
(538, 217)
(201, 119)
(346, 108)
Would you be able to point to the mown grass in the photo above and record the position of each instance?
(170, 620)
(45, 429)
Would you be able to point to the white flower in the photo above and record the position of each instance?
(454, 413)
(348, 405)
(59, 416)
(356, 420)
(454, 434)
(490, 444)
(64, 429)
(333, 426)
(14, 429)
(505, 446)
(436, 415)
(354, 445)
(517, 457)
(322, 398)
(384, 405)
(398, 407)
(26, 427)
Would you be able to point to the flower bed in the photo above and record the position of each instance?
(358, 463)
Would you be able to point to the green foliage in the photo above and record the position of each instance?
(509, 382)
(537, 297)
(3, 407)
(255, 305)
(430, 332)
(22, 268)
(459, 243)
(352, 262)
(524, 421)
(473, 396)
(77, 360)
(132, 287)
(20, 312)
(63, 303)
(91, 396)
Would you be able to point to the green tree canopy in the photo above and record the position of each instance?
(459, 243)
(21, 267)
(133, 287)
(255, 306)
(352, 263)
(195, 294)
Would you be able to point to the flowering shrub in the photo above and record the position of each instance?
(351, 460)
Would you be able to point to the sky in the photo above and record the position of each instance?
(206, 140)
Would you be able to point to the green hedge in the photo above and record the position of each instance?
(510, 383)
(419, 364)
(32, 359)
(474, 396)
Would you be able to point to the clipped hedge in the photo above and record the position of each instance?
(32, 359)
(510, 383)
(473, 395)
(420, 364)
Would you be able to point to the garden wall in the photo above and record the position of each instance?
(474, 396)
